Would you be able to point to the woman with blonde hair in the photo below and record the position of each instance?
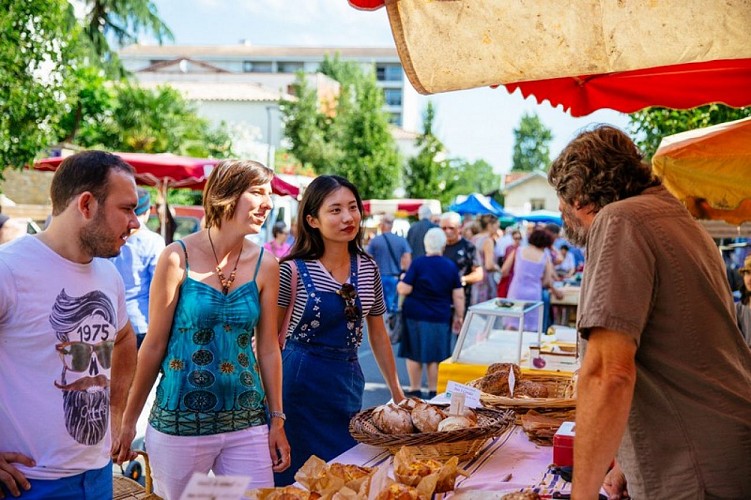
(207, 295)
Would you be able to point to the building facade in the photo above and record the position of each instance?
(275, 67)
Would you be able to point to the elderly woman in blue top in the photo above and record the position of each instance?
(432, 286)
(207, 298)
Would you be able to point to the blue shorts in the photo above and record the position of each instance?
(90, 485)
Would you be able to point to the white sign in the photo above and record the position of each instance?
(471, 395)
(203, 487)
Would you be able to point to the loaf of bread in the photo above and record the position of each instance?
(392, 419)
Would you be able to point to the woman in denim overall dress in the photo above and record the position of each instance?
(337, 286)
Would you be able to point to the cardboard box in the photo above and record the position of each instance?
(563, 445)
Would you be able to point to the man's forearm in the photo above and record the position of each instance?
(121, 377)
(602, 408)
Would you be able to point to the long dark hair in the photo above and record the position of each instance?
(308, 243)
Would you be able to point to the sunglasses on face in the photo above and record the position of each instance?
(349, 294)
(76, 356)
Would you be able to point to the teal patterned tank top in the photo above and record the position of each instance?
(210, 382)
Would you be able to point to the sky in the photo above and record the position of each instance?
(473, 124)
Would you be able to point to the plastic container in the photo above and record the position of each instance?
(563, 445)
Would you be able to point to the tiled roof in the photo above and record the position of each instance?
(242, 50)
(212, 91)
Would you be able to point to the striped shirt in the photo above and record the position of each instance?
(369, 288)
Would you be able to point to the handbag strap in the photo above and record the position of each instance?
(391, 251)
(290, 307)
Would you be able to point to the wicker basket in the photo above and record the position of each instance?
(561, 389)
(124, 488)
(462, 443)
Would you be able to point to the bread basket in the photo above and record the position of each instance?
(462, 443)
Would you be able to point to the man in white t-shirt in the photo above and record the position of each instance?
(67, 350)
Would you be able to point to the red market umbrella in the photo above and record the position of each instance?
(583, 55)
(680, 86)
(172, 171)
(166, 171)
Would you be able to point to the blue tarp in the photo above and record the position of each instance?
(477, 204)
(543, 216)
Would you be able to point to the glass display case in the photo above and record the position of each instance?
(499, 331)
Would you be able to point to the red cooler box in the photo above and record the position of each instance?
(563, 445)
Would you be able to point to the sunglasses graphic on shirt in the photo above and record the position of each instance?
(76, 356)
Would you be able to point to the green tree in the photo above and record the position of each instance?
(308, 128)
(349, 137)
(38, 44)
(125, 117)
(465, 177)
(651, 125)
(121, 21)
(531, 144)
(422, 173)
(370, 159)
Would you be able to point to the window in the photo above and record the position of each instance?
(288, 67)
(256, 67)
(393, 97)
(395, 119)
(388, 73)
(537, 203)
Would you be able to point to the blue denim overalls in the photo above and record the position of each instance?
(323, 383)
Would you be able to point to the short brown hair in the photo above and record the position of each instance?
(598, 167)
(82, 172)
(228, 180)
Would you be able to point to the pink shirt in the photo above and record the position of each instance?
(278, 251)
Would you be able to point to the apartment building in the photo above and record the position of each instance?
(274, 67)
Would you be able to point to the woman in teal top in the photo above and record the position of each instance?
(207, 296)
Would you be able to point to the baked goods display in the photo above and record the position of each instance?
(325, 479)
(496, 382)
(414, 415)
(412, 470)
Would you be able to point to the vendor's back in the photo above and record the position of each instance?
(689, 429)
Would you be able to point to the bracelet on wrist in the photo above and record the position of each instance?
(279, 414)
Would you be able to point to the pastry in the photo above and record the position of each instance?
(398, 491)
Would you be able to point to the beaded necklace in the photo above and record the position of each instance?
(226, 282)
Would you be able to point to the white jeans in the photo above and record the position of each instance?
(174, 459)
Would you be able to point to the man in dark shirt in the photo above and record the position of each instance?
(462, 252)
(417, 231)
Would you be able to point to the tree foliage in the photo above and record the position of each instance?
(422, 173)
(651, 125)
(124, 117)
(531, 144)
(350, 138)
(464, 177)
(37, 47)
(121, 21)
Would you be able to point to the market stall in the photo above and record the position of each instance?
(505, 464)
